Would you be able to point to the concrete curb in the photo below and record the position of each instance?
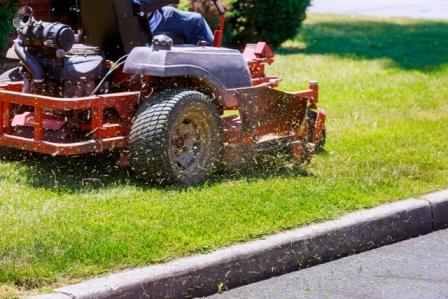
(241, 264)
(439, 205)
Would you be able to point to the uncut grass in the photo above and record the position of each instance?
(385, 86)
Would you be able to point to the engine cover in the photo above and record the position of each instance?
(82, 68)
(74, 75)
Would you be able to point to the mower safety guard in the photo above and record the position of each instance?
(267, 114)
(267, 109)
(270, 119)
(102, 136)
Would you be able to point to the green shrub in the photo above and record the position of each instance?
(206, 8)
(7, 10)
(183, 4)
(272, 21)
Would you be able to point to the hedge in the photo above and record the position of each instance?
(272, 21)
(7, 11)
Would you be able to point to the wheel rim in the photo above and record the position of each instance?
(190, 142)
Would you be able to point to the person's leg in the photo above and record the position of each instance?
(192, 25)
(203, 29)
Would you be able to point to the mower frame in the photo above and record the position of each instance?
(113, 136)
(266, 119)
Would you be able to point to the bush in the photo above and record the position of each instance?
(272, 21)
(266, 20)
(206, 8)
(7, 10)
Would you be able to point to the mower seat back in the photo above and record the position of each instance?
(112, 26)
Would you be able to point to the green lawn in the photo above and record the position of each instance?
(385, 85)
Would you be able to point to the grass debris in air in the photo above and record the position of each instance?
(384, 84)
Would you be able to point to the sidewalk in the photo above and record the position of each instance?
(425, 9)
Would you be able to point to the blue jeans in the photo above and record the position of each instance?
(192, 25)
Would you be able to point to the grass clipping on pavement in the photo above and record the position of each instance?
(385, 86)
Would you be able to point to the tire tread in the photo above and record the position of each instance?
(148, 141)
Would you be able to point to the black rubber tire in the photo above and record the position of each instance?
(311, 121)
(152, 143)
(12, 75)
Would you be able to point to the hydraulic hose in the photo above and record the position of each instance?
(28, 61)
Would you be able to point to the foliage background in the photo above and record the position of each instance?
(255, 20)
(7, 10)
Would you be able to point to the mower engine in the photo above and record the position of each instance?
(52, 64)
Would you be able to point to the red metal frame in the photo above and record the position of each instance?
(257, 56)
(104, 136)
(219, 33)
(107, 136)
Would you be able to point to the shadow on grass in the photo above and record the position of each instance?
(411, 45)
(99, 171)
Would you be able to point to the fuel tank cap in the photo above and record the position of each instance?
(162, 42)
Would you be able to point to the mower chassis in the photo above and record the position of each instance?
(104, 136)
(268, 118)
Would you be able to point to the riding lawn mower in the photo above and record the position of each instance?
(162, 104)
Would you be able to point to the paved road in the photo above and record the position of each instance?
(431, 9)
(416, 268)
